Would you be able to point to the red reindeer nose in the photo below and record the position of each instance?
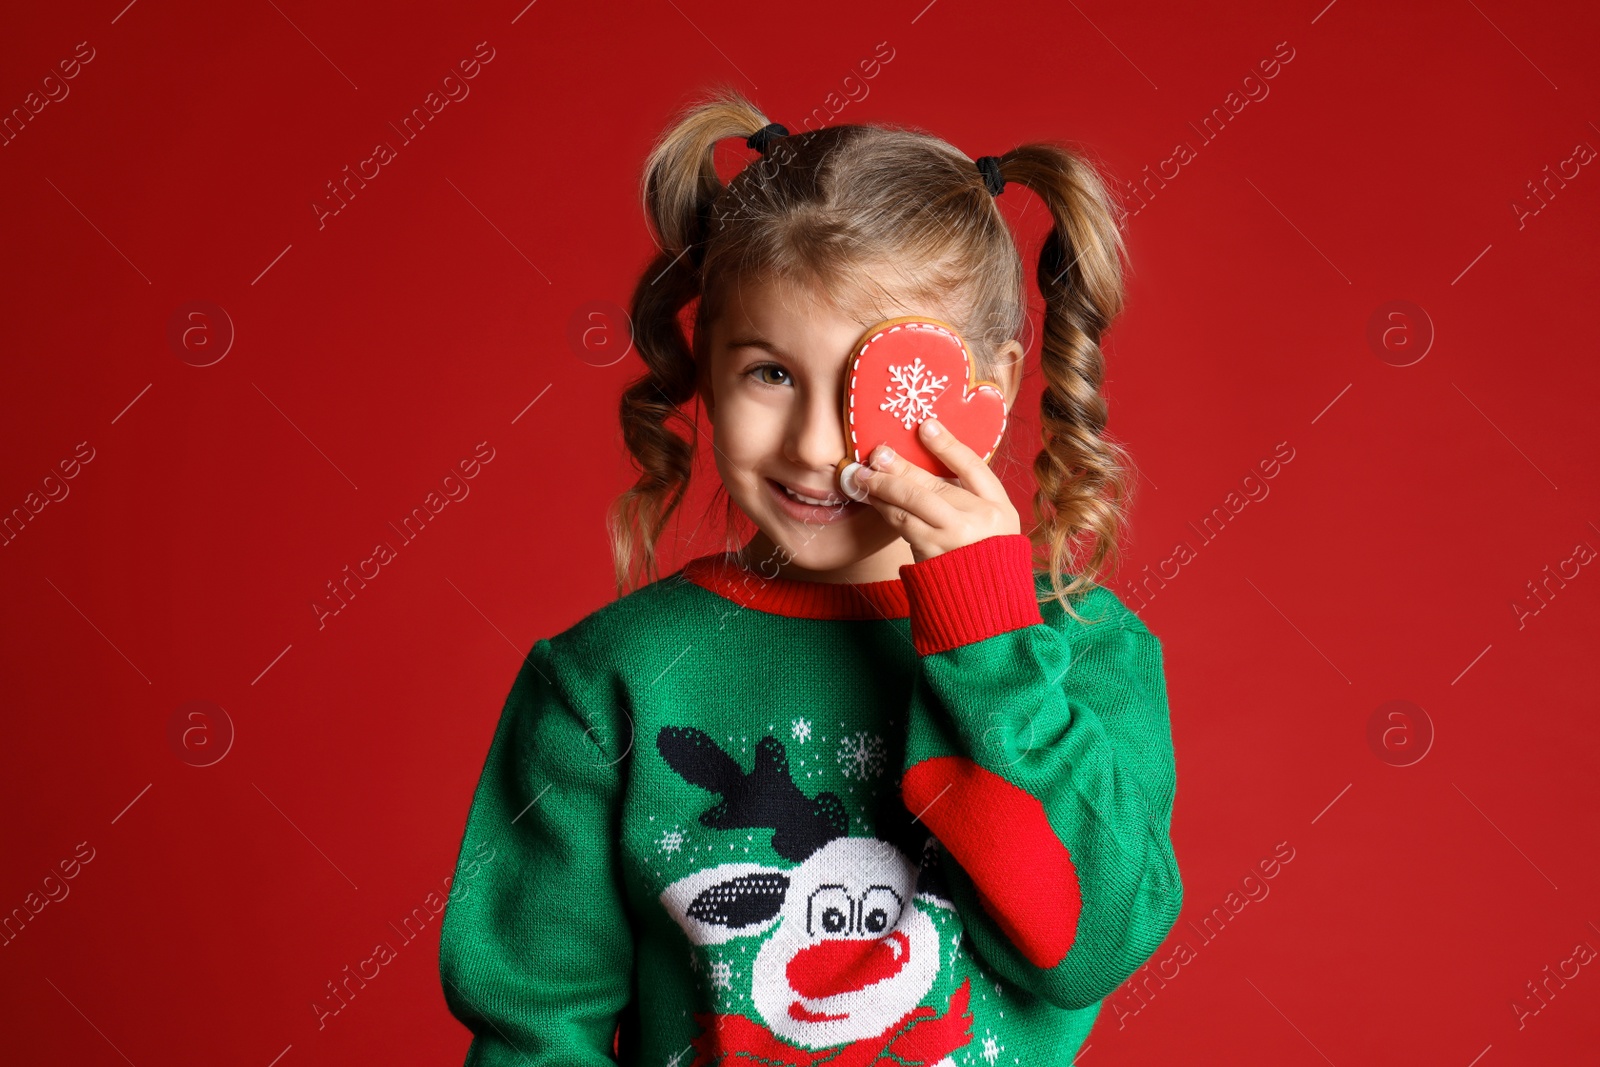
(842, 965)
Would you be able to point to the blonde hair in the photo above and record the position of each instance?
(816, 209)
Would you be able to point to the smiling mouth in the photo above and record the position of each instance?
(813, 507)
(832, 499)
(800, 1013)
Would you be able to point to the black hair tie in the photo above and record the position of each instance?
(989, 167)
(764, 136)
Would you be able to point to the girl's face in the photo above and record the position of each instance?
(775, 385)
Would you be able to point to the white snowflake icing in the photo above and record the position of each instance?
(800, 730)
(918, 390)
(671, 841)
(862, 755)
(722, 975)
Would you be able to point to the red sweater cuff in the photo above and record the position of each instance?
(971, 593)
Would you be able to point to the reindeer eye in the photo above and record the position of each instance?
(828, 911)
(880, 909)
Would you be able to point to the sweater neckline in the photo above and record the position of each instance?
(791, 597)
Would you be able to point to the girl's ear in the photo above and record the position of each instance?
(1008, 370)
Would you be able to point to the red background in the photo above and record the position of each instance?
(373, 354)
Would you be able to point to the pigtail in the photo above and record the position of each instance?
(678, 186)
(1084, 477)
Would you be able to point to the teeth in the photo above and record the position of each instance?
(808, 500)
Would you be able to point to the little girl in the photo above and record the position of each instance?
(865, 789)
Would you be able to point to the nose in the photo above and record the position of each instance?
(839, 965)
(815, 436)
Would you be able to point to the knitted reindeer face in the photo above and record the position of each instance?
(845, 952)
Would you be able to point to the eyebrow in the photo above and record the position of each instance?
(758, 342)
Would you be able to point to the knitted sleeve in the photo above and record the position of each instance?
(1039, 755)
(536, 951)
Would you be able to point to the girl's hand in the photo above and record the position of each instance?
(933, 514)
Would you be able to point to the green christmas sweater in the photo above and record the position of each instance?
(734, 819)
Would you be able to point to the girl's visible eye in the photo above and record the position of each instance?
(760, 371)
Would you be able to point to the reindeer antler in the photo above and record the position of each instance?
(765, 798)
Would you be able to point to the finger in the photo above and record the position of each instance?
(901, 467)
(913, 477)
(897, 518)
(915, 498)
(975, 475)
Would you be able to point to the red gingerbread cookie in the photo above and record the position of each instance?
(910, 369)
